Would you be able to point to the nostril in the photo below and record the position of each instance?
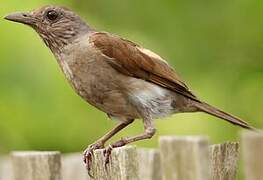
(24, 15)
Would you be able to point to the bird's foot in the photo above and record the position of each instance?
(107, 151)
(88, 155)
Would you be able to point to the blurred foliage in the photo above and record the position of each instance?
(216, 46)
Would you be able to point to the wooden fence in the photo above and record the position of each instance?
(178, 158)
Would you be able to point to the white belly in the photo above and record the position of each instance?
(155, 99)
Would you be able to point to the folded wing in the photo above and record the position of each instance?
(133, 60)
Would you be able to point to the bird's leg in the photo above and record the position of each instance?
(149, 131)
(100, 143)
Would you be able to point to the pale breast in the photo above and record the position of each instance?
(96, 81)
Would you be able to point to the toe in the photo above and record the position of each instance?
(107, 154)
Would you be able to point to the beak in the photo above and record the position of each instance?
(20, 17)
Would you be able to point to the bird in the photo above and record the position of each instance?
(115, 75)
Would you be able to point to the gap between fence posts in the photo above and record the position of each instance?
(36, 165)
(73, 167)
(149, 161)
(252, 154)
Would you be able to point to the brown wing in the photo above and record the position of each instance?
(132, 60)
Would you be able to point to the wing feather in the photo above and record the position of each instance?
(133, 60)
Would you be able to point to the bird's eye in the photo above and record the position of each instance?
(52, 15)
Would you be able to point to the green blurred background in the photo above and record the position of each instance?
(216, 46)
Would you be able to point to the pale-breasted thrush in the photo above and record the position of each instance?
(117, 76)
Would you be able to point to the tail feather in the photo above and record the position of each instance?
(204, 107)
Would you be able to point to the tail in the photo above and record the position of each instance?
(204, 107)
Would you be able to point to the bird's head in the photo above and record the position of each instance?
(57, 26)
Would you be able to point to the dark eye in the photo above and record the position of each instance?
(52, 15)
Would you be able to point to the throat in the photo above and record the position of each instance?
(56, 45)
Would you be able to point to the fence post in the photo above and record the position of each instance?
(73, 167)
(123, 164)
(223, 161)
(252, 153)
(185, 158)
(36, 165)
(149, 164)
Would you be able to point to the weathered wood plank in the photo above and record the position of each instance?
(185, 158)
(36, 165)
(73, 167)
(149, 164)
(223, 161)
(123, 165)
(252, 153)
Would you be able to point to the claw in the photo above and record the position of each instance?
(88, 160)
(88, 155)
(107, 154)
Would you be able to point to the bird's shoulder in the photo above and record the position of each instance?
(132, 59)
